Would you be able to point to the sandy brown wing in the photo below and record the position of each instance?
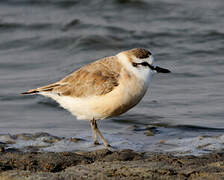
(97, 78)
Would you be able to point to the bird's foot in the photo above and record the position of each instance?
(96, 143)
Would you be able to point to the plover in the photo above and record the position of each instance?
(104, 88)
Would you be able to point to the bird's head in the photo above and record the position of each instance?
(140, 61)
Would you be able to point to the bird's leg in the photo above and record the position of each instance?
(96, 130)
(94, 126)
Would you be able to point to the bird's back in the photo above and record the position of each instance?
(94, 79)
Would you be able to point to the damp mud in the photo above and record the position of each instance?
(107, 164)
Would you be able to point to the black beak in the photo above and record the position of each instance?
(161, 70)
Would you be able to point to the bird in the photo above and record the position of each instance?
(104, 88)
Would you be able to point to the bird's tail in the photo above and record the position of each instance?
(32, 91)
(47, 88)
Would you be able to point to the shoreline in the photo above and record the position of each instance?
(107, 164)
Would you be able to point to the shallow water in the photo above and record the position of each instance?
(42, 41)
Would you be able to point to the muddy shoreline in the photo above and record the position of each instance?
(107, 164)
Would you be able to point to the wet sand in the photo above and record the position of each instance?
(106, 164)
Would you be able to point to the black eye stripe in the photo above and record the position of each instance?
(143, 64)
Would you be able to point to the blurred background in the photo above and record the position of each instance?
(42, 41)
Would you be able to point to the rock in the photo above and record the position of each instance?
(23, 136)
(123, 155)
(149, 133)
(2, 148)
(162, 141)
(76, 139)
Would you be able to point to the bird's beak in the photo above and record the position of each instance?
(161, 70)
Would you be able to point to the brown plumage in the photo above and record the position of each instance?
(101, 77)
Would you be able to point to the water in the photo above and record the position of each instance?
(43, 41)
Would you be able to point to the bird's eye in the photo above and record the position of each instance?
(134, 64)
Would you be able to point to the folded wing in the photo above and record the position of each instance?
(97, 78)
